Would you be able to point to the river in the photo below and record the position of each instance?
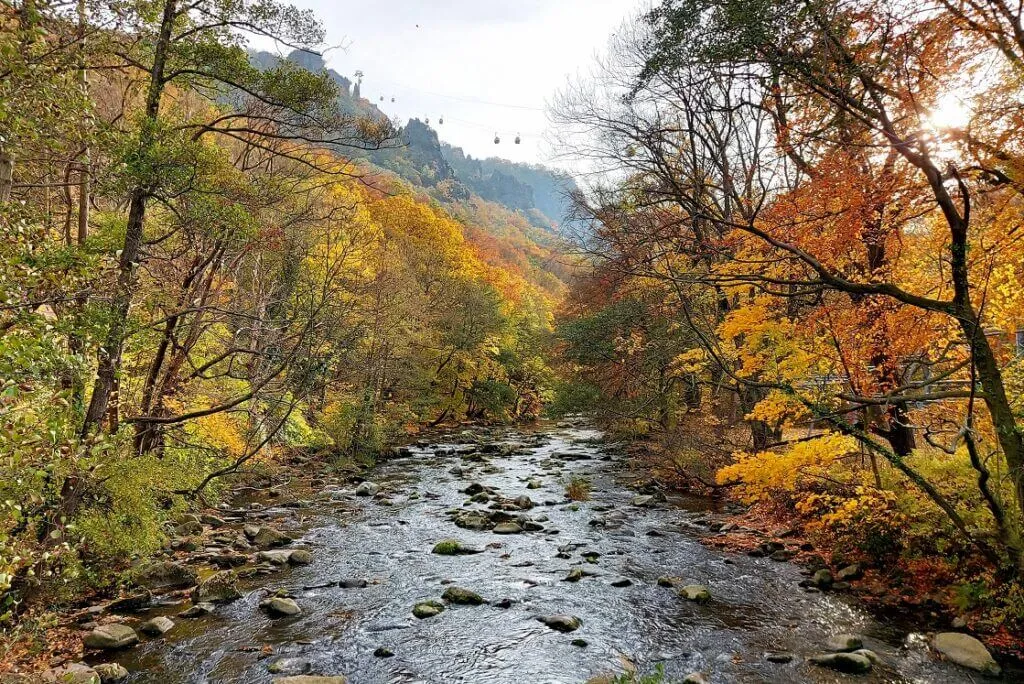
(756, 605)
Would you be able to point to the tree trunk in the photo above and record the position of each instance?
(109, 356)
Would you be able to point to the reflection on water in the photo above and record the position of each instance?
(756, 608)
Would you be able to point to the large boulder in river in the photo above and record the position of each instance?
(453, 547)
(967, 651)
(217, 588)
(111, 637)
(310, 679)
(166, 575)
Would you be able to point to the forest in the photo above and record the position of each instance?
(807, 269)
(195, 275)
(787, 279)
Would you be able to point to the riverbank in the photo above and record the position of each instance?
(535, 587)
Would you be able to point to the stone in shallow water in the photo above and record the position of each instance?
(462, 596)
(622, 583)
(353, 583)
(779, 657)
(561, 623)
(850, 663)
(367, 489)
(695, 592)
(156, 626)
(218, 587)
(311, 679)
(967, 651)
(427, 609)
(507, 528)
(453, 547)
(198, 610)
(844, 642)
(383, 652)
(289, 666)
(281, 607)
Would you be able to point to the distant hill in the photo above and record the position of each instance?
(536, 192)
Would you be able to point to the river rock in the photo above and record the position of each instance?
(310, 679)
(110, 637)
(575, 575)
(643, 500)
(367, 489)
(561, 623)
(507, 528)
(192, 528)
(276, 557)
(850, 572)
(289, 666)
(473, 520)
(461, 596)
(822, 579)
(198, 610)
(534, 484)
(966, 651)
(279, 606)
(453, 547)
(523, 503)
(300, 557)
(217, 588)
(131, 603)
(353, 583)
(166, 575)
(622, 583)
(844, 642)
(72, 673)
(780, 657)
(850, 663)
(427, 609)
(110, 672)
(695, 678)
(156, 626)
(472, 489)
(269, 538)
(695, 592)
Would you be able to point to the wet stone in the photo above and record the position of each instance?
(561, 623)
(850, 663)
(110, 672)
(156, 626)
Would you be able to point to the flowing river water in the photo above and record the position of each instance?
(756, 605)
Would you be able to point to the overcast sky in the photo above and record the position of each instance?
(486, 66)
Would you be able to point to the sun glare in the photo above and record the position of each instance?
(950, 112)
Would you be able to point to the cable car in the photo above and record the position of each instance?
(426, 120)
(392, 99)
(497, 140)
(518, 139)
(441, 120)
(381, 98)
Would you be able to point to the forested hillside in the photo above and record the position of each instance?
(421, 158)
(205, 268)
